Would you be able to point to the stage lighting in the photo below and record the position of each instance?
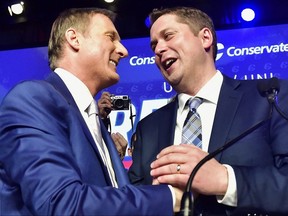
(109, 1)
(248, 14)
(147, 22)
(16, 9)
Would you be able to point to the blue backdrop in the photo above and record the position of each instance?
(249, 53)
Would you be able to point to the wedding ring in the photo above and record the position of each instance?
(178, 168)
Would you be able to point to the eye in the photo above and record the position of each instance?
(111, 36)
(168, 35)
(153, 46)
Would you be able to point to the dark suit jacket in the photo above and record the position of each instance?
(49, 164)
(259, 160)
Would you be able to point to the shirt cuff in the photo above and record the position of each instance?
(173, 194)
(230, 197)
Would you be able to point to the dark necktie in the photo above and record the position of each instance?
(192, 129)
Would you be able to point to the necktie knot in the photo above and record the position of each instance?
(92, 109)
(192, 129)
(194, 103)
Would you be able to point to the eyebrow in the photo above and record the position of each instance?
(114, 33)
(153, 43)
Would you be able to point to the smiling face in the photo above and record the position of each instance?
(181, 55)
(100, 52)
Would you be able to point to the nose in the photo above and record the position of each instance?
(121, 50)
(160, 48)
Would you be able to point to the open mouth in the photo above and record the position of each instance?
(167, 64)
(113, 62)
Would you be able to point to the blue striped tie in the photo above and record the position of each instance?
(192, 129)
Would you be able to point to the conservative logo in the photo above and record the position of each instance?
(234, 51)
(138, 61)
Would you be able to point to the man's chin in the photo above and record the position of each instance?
(112, 81)
(115, 79)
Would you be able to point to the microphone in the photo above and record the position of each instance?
(270, 88)
(267, 88)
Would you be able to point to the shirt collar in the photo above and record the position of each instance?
(77, 88)
(209, 92)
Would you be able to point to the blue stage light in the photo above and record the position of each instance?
(147, 22)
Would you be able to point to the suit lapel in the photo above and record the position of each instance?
(227, 106)
(167, 124)
(60, 86)
(120, 172)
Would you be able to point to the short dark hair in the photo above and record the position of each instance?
(194, 18)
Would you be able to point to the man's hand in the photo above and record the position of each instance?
(121, 144)
(175, 163)
(178, 198)
(104, 105)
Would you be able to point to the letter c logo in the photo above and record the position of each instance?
(220, 46)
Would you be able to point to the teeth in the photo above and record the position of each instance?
(169, 62)
(113, 62)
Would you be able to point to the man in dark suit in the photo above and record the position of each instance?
(53, 158)
(249, 178)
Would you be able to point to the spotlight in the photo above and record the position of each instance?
(109, 1)
(16, 9)
(147, 22)
(248, 14)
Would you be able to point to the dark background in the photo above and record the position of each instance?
(33, 27)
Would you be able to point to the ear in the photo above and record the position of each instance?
(72, 38)
(207, 38)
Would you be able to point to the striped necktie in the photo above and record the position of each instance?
(192, 129)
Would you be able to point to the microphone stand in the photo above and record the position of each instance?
(187, 201)
(269, 88)
(278, 109)
(272, 99)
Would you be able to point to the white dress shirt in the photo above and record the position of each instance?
(210, 94)
(83, 99)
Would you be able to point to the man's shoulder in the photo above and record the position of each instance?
(161, 112)
(29, 87)
(29, 90)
